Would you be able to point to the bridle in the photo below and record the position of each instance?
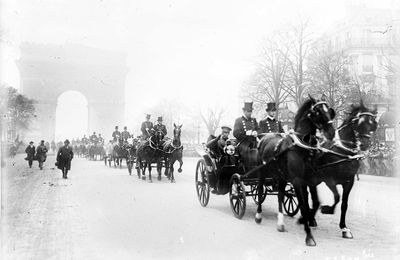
(313, 111)
(354, 122)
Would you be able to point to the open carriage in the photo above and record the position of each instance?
(225, 174)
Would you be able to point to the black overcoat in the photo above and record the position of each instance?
(64, 157)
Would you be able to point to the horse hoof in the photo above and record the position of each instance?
(347, 234)
(179, 170)
(172, 181)
(281, 228)
(327, 209)
(150, 181)
(159, 178)
(313, 223)
(310, 241)
(144, 178)
(258, 220)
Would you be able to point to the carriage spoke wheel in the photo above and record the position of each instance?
(254, 193)
(202, 186)
(237, 196)
(290, 201)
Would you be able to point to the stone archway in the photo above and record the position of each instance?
(49, 70)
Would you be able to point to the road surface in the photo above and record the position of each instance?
(103, 213)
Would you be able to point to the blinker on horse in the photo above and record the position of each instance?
(289, 163)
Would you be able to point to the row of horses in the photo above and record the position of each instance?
(306, 162)
(163, 152)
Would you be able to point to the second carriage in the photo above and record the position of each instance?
(225, 174)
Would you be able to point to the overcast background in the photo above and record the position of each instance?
(203, 50)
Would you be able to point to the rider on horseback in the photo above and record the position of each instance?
(146, 127)
(93, 138)
(116, 134)
(125, 134)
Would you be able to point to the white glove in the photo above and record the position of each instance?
(147, 129)
(255, 134)
(249, 132)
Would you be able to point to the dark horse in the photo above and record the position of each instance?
(285, 158)
(173, 152)
(149, 152)
(340, 163)
(119, 153)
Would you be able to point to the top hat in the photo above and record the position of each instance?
(226, 128)
(31, 142)
(42, 141)
(148, 116)
(159, 119)
(271, 106)
(248, 106)
(66, 141)
(116, 127)
(125, 127)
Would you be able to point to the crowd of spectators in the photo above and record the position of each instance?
(380, 160)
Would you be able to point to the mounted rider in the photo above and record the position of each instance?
(101, 140)
(146, 127)
(84, 140)
(94, 139)
(125, 135)
(116, 134)
(245, 131)
(270, 124)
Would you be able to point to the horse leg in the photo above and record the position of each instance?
(180, 165)
(315, 206)
(326, 209)
(260, 190)
(159, 167)
(149, 165)
(172, 172)
(346, 233)
(281, 191)
(302, 196)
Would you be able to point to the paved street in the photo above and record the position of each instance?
(103, 213)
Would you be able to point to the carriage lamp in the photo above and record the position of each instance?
(230, 149)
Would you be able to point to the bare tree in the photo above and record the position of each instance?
(329, 77)
(269, 82)
(212, 118)
(299, 49)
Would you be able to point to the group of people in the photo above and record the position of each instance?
(39, 153)
(246, 130)
(63, 158)
(380, 160)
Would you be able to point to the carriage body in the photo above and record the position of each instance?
(229, 176)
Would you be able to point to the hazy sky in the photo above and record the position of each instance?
(203, 50)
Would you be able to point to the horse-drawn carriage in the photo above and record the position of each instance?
(298, 158)
(122, 149)
(223, 175)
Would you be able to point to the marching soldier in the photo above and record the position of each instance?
(30, 153)
(146, 127)
(270, 124)
(116, 134)
(125, 134)
(245, 131)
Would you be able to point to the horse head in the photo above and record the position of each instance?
(177, 134)
(315, 114)
(359, 125)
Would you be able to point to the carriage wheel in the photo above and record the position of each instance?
(202, 186)
(290, 201)
(237, 196)
(254, 193)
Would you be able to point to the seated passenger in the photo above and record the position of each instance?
(217, 144)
